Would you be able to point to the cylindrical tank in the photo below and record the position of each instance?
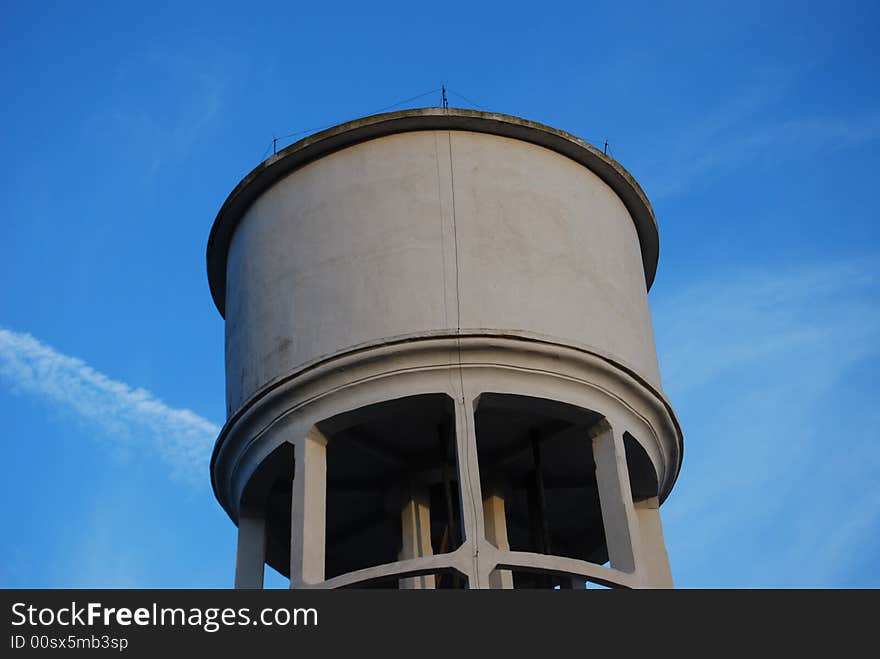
(440, 365)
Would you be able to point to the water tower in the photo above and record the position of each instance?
(440, 364)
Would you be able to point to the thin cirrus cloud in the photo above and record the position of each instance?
(744, 129)
(181, 438)
(752, 317)
(758, 143)
(769, 371)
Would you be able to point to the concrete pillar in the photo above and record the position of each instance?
(415, 518)
(653, 559)
(495, 525)
(615, 496)
(469, 483)
(251, 556)
(308, 510)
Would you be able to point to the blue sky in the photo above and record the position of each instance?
(754, 128)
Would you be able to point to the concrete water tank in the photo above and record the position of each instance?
(440, 364)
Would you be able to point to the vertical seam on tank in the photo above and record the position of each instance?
(455, 241)
(466, 409)
(442, 237)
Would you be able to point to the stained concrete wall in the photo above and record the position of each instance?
(429, 232)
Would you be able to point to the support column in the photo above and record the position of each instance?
(308, 510)
(540, 504)
(251, 556)
(469, 484)
(415, 517)
(495, 525)
(615, 496)
(654, 559)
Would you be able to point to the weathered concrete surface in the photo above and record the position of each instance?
(251, 556)
(337, 137)
(432, 232)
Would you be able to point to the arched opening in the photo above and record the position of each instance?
(538, 480)
(392, 488)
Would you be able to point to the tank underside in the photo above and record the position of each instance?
(494, 439)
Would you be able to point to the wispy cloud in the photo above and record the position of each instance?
(771, 372)
(164, 130)
(754, 316)
(133, 417)
(746, 129)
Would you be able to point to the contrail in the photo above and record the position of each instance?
(181, 438)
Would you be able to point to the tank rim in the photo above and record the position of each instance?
(347, 134)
